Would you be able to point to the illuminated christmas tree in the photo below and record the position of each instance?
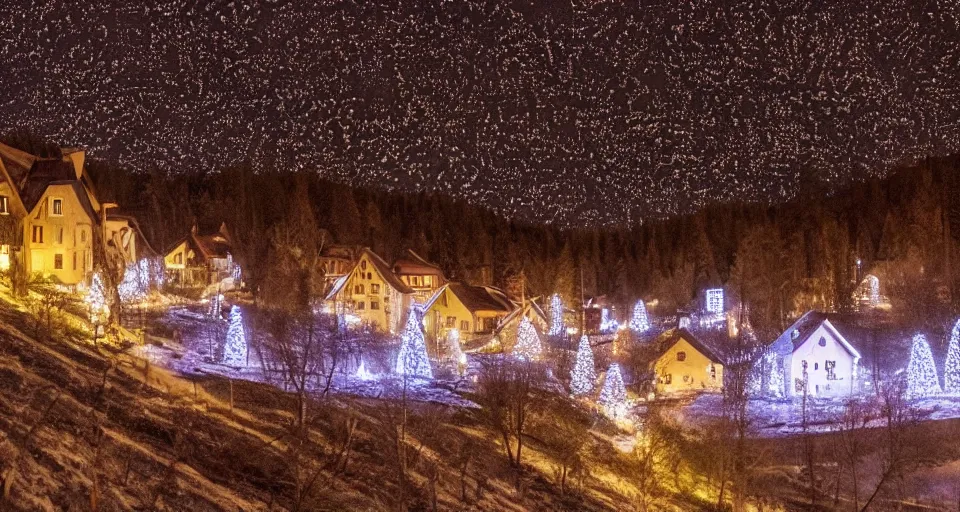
(363, 373)
(556, 315)
(136, 281)
(607, 323)
(235, 350)
(922, 378)
(412, 359)
(528, 342)
(97, 299)
(453, 342)
(951, 369)
(640, 322)
(613, 395)
(583, 375)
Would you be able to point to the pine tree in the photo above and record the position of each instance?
(583, 375)
(235, 349)
(640, 322)
(613, 395)
(412, 359)
(528, 342)
(951, 369)
(922, 380)
(556, 315)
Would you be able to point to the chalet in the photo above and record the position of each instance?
(812, 353)
(473, 310)
(423, 277)
(60, 213)
(371, 293)
(201, 260)
(686, 363)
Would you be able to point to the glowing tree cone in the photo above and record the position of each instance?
(583, 375)
(453, 344)
(556, 315)
(951, 369)
(921, 372)
(639, 322)
(412, 359)
(613, 395)
(528, 342)
(235, 350)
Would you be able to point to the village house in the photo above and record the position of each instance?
(473, 310)
(60, 213)
(423, 277)
(686, 364)
(371, 293)
(202, 260)
(336, 261)
(812, 355)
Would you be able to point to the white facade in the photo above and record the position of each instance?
(830, 363)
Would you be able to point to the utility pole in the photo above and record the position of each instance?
(583, 311)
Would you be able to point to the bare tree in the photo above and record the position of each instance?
(656, 449)
(898, 446)
(507, 395)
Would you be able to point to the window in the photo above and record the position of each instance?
(681, 356)
(375, 289)
(363, 265)
(428, 280)
(59, 236)
(361, 305)
(57, 207)
(74, 261)
(374, 304)
(37, 235)
(816, 366)
(58, 261)
(465, 325)
(451, 322)
(668, 378)
(713, 372)
(416, 280)
(4, 205)
(715, 300)
(798, 385)
(358, 289)
(831, 368)
(177, 258)
(83, 239)
(823, 341)
(686, 378)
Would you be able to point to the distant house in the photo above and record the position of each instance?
(371, 293)
(686, 363)
(337, 260)
(201, 260)
(812, 353)
(423, 277)
(60, 212)
(473, 310)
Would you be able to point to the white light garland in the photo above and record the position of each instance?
(922, 378)
(97, 300)
(556, 315)
(607, 324)
(235, 349)
(951, 369)
(412, 359)
(583, 375)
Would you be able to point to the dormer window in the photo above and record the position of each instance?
(4, 205)
(57, 208)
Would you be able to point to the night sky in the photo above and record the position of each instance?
(576, 112)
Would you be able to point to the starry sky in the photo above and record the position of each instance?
(578, 112)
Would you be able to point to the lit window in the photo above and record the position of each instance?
(451, 322)
(464, 325)
(428, 280)
(58, 207)
(37, 235)
(715, 300)
(177, 258)
(681, 356)
(58, 261)
(375, 289)
(4, 205)
(668, 378)
(831, 368)
(374, 304)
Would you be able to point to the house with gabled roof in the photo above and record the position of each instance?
(201, 259)
(687, 363)
(814, 357)
(55, 199)
(372, 294)
(472, 310)
(423, 277)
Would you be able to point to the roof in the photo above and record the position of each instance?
(32, 175)
(671, 337)
(476, 298)
(382, 268)
(17, 162)
(413, 263)
(805, 326)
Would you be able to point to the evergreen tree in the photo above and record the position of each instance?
(235, 349)
(639, 323)
(412, 359)
(922, 380)
(583, 375)
(613, 395)
(951, 369)
(528, 342)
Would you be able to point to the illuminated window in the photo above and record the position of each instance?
(451, 322)
(58, 261)
(715, 300)
(4, 205)
(57, 207)
(375, 289)
(177, 258)
(668, 378)
(428, 280)
(681, 356)
(464, 325)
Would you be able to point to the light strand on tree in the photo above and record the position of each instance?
(951, 369)
(453, 342)
(639, 323)
(613, 395)
(97, 299)
(607, 324)
(235, 349)
(584, 375)
(412, 359)
(556, 315)
(528, 342)
(922, 378)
